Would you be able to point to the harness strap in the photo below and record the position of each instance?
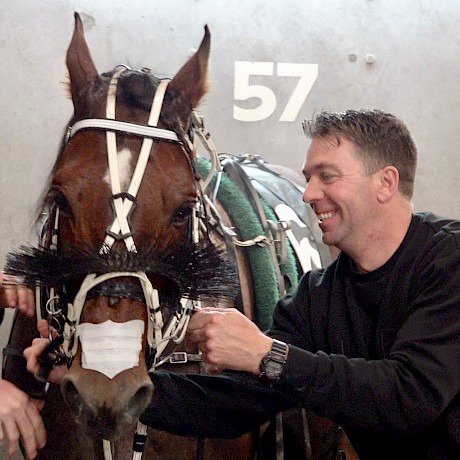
(205, 138)
(181, 357)
(122, 205)
(8, 351)
(237, 174)
(74, 313)
(107, 448)
(120, 222)
(140, 437)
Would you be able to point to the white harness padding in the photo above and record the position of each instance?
(110, 348)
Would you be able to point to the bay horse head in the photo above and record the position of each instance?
(122, 244)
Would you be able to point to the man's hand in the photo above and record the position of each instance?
(13, 294)
(33, 352)
(20, 419)
(228, 339)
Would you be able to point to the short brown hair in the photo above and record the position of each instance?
(382, 140)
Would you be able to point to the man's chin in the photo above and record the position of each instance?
(329, 239)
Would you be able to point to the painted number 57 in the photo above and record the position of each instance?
(244, 90)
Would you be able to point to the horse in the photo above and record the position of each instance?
(138, 232)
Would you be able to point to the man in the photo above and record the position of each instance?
(19, 415)
(371, 342)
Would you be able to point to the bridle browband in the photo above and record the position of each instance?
(121, 127)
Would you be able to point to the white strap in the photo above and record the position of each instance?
(123, 206)
(157, 103)
(124, 127)
(141, 430)
(118, 203)
(107, 448)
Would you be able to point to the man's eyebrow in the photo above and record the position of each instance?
(318, 167)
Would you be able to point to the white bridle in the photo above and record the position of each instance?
(120, 228)
(158, 336)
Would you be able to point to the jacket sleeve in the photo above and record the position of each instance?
(223, 406)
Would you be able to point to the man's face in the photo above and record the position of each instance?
(341, 193)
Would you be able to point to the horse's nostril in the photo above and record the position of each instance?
(142, 398)
(72, 396)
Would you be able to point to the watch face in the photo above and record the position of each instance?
(273, 367)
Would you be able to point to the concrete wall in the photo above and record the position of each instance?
(398, 55)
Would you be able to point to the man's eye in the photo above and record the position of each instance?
(327, 177)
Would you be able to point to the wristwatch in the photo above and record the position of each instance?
(272, 363)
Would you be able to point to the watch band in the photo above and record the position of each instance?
(272, 363)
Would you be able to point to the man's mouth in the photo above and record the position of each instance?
(324, 215)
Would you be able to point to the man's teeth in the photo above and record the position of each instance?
(324, 215)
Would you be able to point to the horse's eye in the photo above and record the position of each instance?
(62, 203)
(183, 214)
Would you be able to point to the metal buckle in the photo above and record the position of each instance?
(178, 357)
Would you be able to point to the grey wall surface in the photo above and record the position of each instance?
(397, 55)
(415, 46)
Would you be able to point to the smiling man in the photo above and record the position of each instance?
(372, 342)
(354, 170)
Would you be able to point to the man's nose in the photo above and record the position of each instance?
(312, 192)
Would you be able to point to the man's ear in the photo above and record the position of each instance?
(388, 183)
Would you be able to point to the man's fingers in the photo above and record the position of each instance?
(17, 294)
(32, 355)
(43, 329)
(27, 434)
(38, 403)
(11, 294)
(26, 300)
(12, 434)
(36, 421)
(33, 352)
(202, 317)
(28, 426)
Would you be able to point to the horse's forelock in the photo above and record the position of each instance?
(138, 88)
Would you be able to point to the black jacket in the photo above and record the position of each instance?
(378, 353)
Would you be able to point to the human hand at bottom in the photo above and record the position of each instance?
(20, 419)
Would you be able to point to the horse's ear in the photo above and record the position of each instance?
(82, 71)
(192, 78)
